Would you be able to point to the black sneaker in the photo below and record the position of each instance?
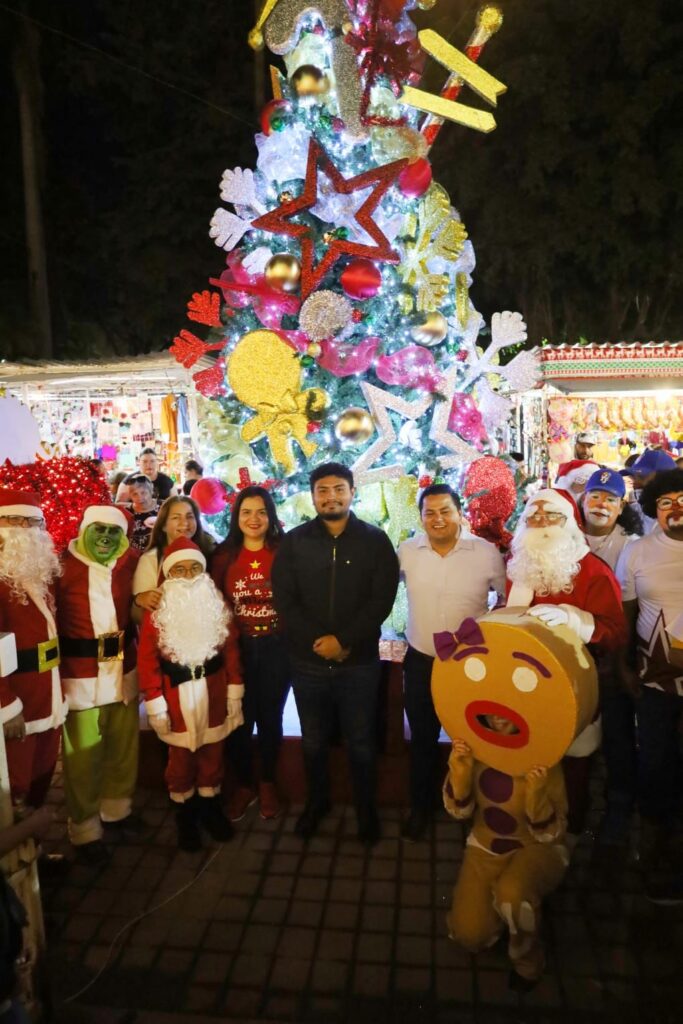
(52, 866)
(94, 854)
(307, 824)
(415, 826)
(369, 828)
(131, 827)
(212, 817)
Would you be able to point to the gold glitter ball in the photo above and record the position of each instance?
(490, 18)
(313, 349)
(309, 81)
(354, 426)
(255, 39)
(283, 272)
(431, 331)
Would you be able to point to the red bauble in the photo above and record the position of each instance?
(273, 116)
(210, 494)
(361, 279)
(415, 179)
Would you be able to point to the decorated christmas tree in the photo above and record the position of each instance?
(342, 321)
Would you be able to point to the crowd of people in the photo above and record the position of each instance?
(145, 606)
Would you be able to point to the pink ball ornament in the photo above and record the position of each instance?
(210, 495)
(415, 179)
(361, 279)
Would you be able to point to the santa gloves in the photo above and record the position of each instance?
(555, 615)
(160, 723)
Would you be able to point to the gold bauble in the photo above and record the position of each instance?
(309, 80)
(431, 331)
(283, 272)
(426, 5)
(313, 349)
(255, 39)
(490, 18)
(354, 426)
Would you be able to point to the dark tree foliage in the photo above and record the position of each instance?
(573, 203)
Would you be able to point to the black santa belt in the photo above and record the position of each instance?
(105, 647)
(178, 674)
(41, 658)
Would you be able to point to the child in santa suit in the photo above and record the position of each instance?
(191, 680)
(32, 706)
(97, 640)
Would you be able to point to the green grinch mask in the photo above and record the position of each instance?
(102, 542)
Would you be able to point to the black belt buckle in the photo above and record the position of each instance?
(110, 646)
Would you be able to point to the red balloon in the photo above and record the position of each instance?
(273, 116)
(361, 279)
(210, 494)
(490, 486)
(415, 179)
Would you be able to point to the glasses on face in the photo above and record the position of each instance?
(186, 572)
(22, 521)
(666, 504)
(546, 519)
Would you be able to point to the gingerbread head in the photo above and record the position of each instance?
(509, 665)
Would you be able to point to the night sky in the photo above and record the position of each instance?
(573, 203)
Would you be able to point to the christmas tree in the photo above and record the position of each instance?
(342, 321)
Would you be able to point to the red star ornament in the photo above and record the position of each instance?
(278, 221)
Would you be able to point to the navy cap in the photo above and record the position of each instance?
(651, 461)
(607, 480)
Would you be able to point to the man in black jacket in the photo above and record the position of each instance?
(334, 583)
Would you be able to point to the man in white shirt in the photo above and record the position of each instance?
(448, 576)
(651, 575)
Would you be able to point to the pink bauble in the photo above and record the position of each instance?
(415, 179)
(210, 495)
(361, 279)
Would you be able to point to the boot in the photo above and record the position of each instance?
(189, 838)
(213, 819)
(269, 805)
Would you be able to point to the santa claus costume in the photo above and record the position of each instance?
(98, 647)
(191, 681)
(32, 705)
(574, 475)
(553, 572)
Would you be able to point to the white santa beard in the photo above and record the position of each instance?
(546, 559)
(28, 561)
(192, 620)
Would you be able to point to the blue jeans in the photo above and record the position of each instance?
(266, 684)
(351, 693)
(660, 769)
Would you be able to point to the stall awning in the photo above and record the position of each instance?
(611, 367)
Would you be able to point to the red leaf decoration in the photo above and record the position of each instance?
(204, 307)
(211, 382)
(187, 348)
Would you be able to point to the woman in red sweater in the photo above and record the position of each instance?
(241, 570)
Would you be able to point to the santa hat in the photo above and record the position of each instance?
(109, 514)
(556, 501)
(578, 471)
(182, 550)
(20, 503)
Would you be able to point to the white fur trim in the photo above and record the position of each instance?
(555, 500)
(209, 790)
(212, 735)
(156, 706)
(11, 710)
(30, 511)
(193, 696)
(88, 831)
(53, 721)
(115, 808)
(109, 514)
(96, 691)
(182, 798)
(182, 555)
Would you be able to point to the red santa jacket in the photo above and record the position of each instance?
(595, 590)
(197, 708)
(93, 604)
(34, 694)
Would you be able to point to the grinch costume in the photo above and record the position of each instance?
(98, 646)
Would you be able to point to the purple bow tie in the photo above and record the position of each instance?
(446, 644)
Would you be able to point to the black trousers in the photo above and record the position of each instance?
(425, 728)
(266, 684)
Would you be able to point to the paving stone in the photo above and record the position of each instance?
(212, 968)
(242, 1003)
(258, 938)
(138, 956)
(380, 892)
(305, 913)
(378, 918)
(413, 950)
(413, 979)
(282, 1007)
(319, 866)
(297, 942)
(242, 884)
(341, 915)
(277, 886)
(383, 870)
(223, 936)
(187, 936)
(269, 911)
(199, 998)
(371, 979)
(413, 895)
(334, 945)
(82, 928)
(284, 863)
(349, 867)
(346, 890)
(455, 985)
(174, 961)
(232, 908)
(290, 974)
(374, 948)
(414, 921)
(417, 871)
(492, 987)
(329, 976)
(310, 888)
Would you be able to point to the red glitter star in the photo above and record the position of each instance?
(278, 221)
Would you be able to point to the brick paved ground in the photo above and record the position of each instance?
(275, 930)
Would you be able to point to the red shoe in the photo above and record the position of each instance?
(268, 802)
(240, 801)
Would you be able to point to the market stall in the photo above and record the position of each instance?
(630, 395)
(110, 409)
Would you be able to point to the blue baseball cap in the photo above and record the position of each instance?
(607, 480)
(651, 461)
